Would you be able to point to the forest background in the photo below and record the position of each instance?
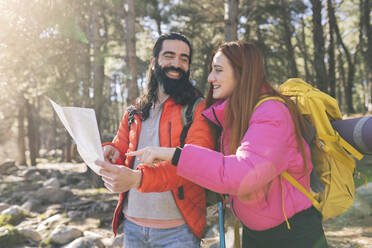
(95, 54)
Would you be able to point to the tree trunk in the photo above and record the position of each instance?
(287, 37)
(367, 24)
(21, 160)
(231, 20)
(32, 143)
(366, 48)
(369, 99)
(301, 40)
(157, 16)
(350, 62)
(309, 76)
(130, 40)
(320, 68)
(37, 119)
(204, 85)
(86, 74)
(331, 51)
(349, 86)
(341, 72)
(261, 45)
(98, 67)
(68, 148)
(54, 126)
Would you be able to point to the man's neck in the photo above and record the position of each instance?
(162, 96)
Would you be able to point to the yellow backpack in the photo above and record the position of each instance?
(330, 153)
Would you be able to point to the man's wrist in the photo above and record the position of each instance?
(138, 178)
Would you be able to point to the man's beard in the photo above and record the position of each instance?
(172, 87)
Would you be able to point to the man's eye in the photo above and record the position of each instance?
(185, 60)
(218, 70)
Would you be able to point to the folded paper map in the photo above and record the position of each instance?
(82, 125)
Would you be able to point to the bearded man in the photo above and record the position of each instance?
(158, 207)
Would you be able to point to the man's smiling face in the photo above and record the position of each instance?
(174, 54)
(172, 67)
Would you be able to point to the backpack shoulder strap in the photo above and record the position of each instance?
(285, 174)
(188, 111)
(265, 98)
(187, 117)
(308, 134)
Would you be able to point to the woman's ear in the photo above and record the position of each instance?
(152, 63)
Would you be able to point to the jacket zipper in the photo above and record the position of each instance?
(136, 127)
(221, 140)
(219, 126)
(170, 133)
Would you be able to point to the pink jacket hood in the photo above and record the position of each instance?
(252, 176)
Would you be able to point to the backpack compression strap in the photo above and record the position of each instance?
(344, 144)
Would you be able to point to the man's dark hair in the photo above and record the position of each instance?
(172, 36)
(145, 102)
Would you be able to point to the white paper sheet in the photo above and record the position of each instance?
(81, 123)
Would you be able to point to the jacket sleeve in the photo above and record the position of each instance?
(261, 156)
(166, 173)
(121, 140)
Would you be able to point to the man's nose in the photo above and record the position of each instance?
(176, 63)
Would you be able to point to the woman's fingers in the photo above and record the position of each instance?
(150, 155)
(143, 155)
(135, 153)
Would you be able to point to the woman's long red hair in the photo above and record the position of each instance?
(248, 65)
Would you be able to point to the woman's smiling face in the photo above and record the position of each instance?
(222, 77)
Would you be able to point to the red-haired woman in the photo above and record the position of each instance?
(256, 145)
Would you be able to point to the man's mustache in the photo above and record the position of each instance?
(172, 68)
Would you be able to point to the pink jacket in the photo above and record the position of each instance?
(252, 176)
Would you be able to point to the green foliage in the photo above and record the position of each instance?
(46, 243)
(42, 216)
(8, 188)
(8, 219)
(71, 30)
(99, 191)
(365, 175)
(4, 220)
(9, 236)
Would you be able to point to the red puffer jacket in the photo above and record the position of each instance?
(163, 177)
